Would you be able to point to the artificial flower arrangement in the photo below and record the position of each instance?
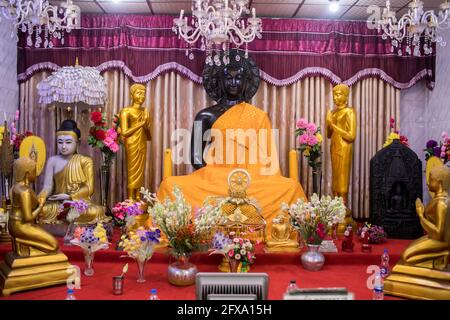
(105, 138)
(395, 135)
(237, 250)
(186, 234)
(125, 212)
(440, 150)
(310, 141)
(314, 219)
(70, 210)
(90, 239)
(140, 245)
(376, 233)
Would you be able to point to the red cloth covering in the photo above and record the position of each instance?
(341, 269)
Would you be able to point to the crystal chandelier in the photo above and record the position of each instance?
(40, 18)
(413, 26)
(218, 25)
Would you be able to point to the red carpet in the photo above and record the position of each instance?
(341, 270)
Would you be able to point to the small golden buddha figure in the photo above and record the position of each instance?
(35, 261)
(341, 129)
(69, 176)
(135, 128)
(284, 238)
(423, 270)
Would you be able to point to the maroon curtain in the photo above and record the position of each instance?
(290, 49)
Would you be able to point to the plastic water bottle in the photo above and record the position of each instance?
(384, 268)
(378, 288)
(70, 295)
(292, 286)
(153, 295)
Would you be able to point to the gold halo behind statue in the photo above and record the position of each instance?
(34, 148)
(432, 162)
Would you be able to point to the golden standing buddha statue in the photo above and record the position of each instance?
(341, 129)
(35, 261)
(423, 270)
(69, 176)
(135, 128)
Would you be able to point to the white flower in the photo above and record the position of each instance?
(237, 256)
(243, 252)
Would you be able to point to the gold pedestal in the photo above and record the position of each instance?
(5, 237)
(418, 283)
(281, 249)
(19, 274)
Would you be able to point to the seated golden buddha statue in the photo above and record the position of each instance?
(284, 238)
(237, 135)
(69, 176)
(423, 270)
(35, 261)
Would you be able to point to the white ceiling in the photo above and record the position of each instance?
(316, 9)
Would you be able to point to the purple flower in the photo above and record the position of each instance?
(437, 151)
(431, 144)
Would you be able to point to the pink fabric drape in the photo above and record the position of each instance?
(290, 50)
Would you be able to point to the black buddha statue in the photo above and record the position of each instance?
(228, 85)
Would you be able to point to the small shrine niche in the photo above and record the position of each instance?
(395, 184)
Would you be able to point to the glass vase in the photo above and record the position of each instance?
(69, 234)
(317, 177)
(141, 270)
(313, 259)
(88, 260)
(104, 180)
(182, 272)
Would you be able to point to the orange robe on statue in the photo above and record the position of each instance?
(267, 185)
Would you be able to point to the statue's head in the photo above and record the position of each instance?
(236, 81)
(137, 93)
(340, 94)
(25, 169)
(439, 175)
(67, 137)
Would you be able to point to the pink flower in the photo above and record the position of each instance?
(249, 255)
(230, 253)
(302, 123)
(111, 133)
(443, 148)
(311, 128)
(443, 154)
(111, 144)
(312, 140)
(114, 147)
(444, 136)
(17, 115)
(303, 139)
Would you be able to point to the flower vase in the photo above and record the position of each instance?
(69, 234)
(313, 259)
(141, 270)
(317, 177)
(182, 272)
(88, 260)
(234, 264)
(104, 182)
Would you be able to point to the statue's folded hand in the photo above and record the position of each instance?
(419, 207)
